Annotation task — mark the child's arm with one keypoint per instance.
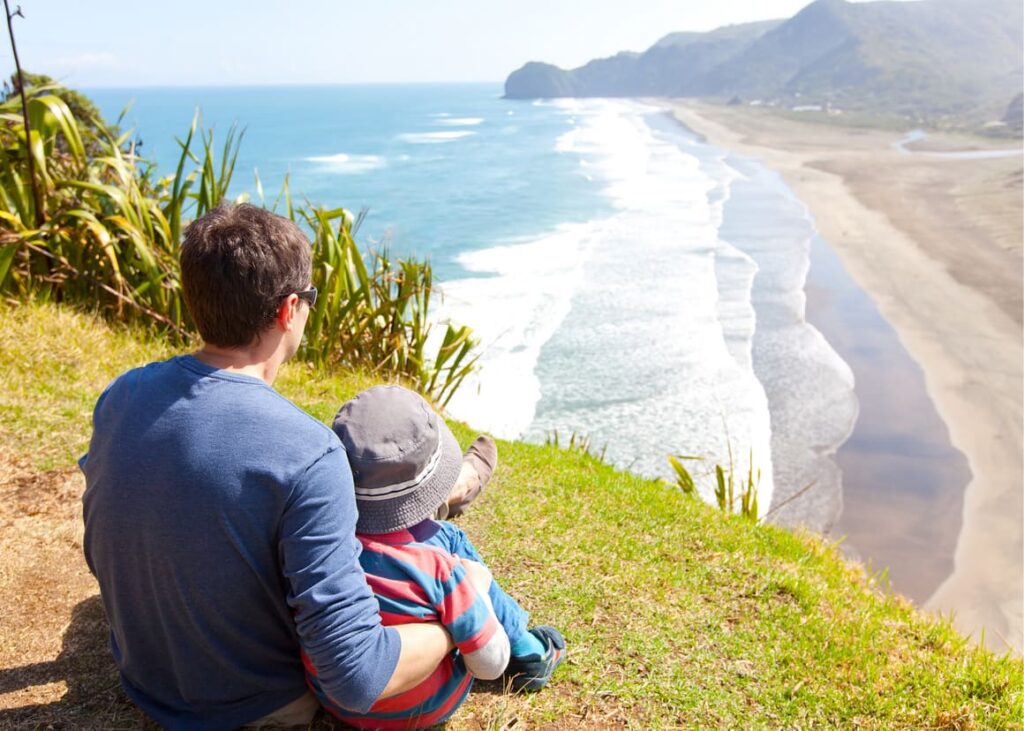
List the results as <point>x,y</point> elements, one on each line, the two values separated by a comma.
<point>467,613</point>
<point>489,661</point>
<point>512,616</point>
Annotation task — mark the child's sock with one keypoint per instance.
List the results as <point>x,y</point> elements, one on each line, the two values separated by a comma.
<point>527,644</point>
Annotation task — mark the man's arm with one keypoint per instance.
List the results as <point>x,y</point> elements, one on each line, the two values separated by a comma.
<point>424,646</point>
<point>356,659</point>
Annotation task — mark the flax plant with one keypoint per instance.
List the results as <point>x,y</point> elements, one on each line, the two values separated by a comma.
<point>111,231</point>
<point>376,316</point>
<point>577,443</point>
<point>732,494</point>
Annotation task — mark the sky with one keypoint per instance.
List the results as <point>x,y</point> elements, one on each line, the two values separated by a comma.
<point>228,42</point>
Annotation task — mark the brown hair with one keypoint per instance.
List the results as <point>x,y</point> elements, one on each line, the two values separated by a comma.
<point>237,263</point>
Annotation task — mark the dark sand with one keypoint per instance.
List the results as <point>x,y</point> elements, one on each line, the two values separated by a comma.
<point>903,480</point>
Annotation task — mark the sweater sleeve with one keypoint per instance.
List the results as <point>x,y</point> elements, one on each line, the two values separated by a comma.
<point>469,617</point>
<point>336,615</point>
<point>490,661</point>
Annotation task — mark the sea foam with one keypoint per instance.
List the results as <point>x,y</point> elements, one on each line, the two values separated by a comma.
<point>428,138</point>
<point>655,355</point>
<point>349,164</point>
<point>514,309</point>
<point>460,121</point>
<point>810,388</point>
<point>619,329</point>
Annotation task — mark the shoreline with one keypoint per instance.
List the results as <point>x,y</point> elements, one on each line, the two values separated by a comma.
<point>959,330</point>
<point>764,220</point>
<point>606,283</point>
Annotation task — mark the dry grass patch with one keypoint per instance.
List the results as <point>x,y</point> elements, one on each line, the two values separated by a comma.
<point>55,664</point>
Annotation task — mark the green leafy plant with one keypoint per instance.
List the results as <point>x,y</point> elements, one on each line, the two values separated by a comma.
<point>742,497</point>
<point>376,316</point>
<point>684,480</point>
<point>101,229</point>
<point>577,443</point>
<point>731,495</point>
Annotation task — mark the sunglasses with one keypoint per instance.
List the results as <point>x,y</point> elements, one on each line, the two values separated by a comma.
<point>309,295</point>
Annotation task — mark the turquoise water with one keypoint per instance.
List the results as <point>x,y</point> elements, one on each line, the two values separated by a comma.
<point>578,241</point>
<point>442,168</point>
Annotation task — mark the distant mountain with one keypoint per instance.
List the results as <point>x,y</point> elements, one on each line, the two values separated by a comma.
<point>663,70</point>
<point>925,59</point>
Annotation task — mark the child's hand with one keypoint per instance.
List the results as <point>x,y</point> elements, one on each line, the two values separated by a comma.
<point>479,575</point>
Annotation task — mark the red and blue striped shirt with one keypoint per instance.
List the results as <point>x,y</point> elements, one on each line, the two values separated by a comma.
<point>416,579</point>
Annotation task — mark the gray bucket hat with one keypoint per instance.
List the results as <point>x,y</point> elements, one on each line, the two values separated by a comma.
<point>404,458</point>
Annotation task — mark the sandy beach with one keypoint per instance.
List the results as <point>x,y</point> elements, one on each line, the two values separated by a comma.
<point>937,244</point>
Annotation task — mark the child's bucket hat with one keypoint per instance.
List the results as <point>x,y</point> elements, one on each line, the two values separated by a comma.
<point>405,460</point>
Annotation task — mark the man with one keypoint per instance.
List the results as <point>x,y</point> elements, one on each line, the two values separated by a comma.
<point>220,518</point>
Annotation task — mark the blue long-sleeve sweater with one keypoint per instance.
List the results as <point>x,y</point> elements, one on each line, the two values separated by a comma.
<point>220,524</point>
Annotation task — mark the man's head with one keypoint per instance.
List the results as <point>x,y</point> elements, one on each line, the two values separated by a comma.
<point>239,263</point>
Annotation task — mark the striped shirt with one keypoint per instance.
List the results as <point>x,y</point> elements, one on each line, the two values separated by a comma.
<point>417,579</point>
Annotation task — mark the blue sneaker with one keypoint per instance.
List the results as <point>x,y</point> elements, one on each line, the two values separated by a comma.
<point>530,673</point>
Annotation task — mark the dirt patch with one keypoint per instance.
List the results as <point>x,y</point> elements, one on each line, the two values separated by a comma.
<point>78,688</point>
<point>25,493</point>
<point>56,670</point>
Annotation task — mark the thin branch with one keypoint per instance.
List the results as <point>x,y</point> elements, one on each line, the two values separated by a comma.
<point>127,300</point>
<point>791,498</point>
<point>37,194</point>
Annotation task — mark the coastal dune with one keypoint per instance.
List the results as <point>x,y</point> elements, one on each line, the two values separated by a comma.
<point>936,241</point>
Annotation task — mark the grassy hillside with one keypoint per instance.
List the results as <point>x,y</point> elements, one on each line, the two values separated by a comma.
<point>676,616</point>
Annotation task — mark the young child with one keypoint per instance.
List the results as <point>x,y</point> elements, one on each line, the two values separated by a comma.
<point>405,462</point>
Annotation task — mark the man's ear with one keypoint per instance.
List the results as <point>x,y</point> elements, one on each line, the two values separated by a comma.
<point>286,312</point>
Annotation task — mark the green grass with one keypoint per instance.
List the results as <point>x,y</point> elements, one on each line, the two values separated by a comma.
<point>676,615</point>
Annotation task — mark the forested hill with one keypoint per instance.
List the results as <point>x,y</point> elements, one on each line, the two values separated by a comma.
<point>924,59</point>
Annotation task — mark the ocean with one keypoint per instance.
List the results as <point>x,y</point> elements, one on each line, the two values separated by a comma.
<point>629,283</point>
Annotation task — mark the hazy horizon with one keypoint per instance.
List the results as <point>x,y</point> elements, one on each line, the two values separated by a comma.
<point>391,42</point>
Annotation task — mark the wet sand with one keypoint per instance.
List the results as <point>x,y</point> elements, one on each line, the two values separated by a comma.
<point>902,479</point>
<point>937,244</point>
